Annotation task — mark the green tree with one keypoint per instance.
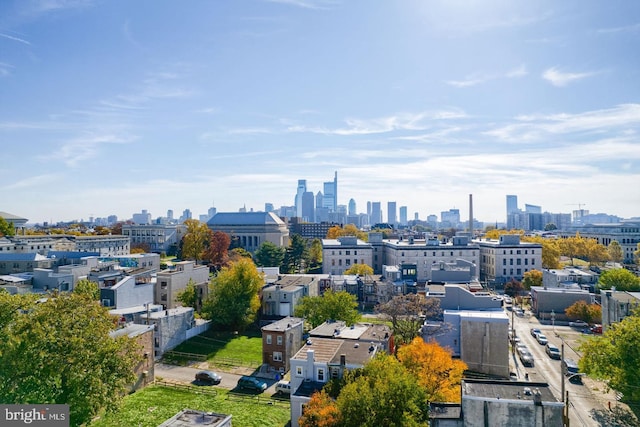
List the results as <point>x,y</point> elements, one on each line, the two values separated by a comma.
<point>233,300</point>
<point>615,251</point>
<point>383,393</point>
<point>195,240</point>
<point>60,351</point>
<point>6,228</point>
<point>330,306</point>
<point>620,278</point>
<point>269,255</point>
<point>550,227</point>
<point>88,288</point>
<point>614,357</point>
<point>360,270</point>
<point>295,254</point>
<point>188,297</point>
<point>315,256</point>
<point>532,278</point>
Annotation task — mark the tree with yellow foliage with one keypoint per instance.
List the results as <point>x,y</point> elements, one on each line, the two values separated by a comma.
<point>360,270</point>
<point>348,230</point>
<point>435,369</point>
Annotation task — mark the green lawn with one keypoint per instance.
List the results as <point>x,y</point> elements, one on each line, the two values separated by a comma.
<point>155,404</point>
<point>245,348</point>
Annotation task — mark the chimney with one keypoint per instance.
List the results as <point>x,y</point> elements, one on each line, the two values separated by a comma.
<point>471,214</point>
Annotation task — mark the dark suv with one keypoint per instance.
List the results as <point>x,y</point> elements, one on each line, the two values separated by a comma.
<point>252,383</point>
<point>208,377</point>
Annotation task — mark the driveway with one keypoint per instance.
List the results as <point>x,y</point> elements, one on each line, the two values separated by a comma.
<point>187,374</point>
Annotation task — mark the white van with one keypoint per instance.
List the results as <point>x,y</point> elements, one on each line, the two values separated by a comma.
<point>283,387</point>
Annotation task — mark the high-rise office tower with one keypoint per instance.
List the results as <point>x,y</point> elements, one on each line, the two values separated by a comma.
<point>352,207</point>
<point>376,213</point>
<point>330,199</point>
<point>302,188</point>
<point>512,204</point>
<point>308,206</point>
<point>391,213</point>
<point>403,215</point>
<point>268,207</point>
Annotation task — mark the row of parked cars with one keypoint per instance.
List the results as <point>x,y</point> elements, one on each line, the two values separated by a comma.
<point>244,383</point>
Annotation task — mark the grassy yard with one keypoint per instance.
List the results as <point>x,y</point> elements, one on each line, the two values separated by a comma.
<point>154,404</point>
<point>245,348</point>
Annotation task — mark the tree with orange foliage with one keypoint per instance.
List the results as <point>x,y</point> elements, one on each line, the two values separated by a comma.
<point>435,369</point>
<point>320,411</point>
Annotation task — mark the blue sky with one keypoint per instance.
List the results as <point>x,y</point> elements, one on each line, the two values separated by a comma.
<point>111,107</point>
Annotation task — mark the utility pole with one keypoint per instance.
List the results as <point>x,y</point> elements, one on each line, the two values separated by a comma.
<point>563,393</point>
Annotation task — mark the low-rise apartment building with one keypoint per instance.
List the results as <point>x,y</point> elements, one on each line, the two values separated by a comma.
<point>507,258</point>
<point>281,340</point>
<point>171,281</point>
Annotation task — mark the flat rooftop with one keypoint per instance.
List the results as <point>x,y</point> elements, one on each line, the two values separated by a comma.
<point>189,417</point>
<point>516,390</point>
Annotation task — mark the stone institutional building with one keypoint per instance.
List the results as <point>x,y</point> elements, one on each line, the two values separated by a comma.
<point>251,228</point>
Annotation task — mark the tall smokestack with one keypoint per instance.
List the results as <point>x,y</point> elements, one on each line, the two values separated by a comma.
<point>471,214</point>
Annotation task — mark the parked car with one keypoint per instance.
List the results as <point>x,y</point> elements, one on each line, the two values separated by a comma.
<point>252,383</point>
<point>542,339</point>
<point>534,332</point>
<point>283,387</point>
<point>596,329</point>
<point>526,358</point>
<point>578,324</point>
<point>570,369</point>
<point>507,300</point>
<point>208,377</point>
<point>552,351</point>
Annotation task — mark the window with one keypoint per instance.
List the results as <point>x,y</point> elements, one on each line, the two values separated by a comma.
<point>504,261</point>
<point>279,340</point>
<point>355,252</point>
<point>268,339</point>
<point>299,371</point>
<point>347,262</point>
<point>320,375</point>
<point>518,261</point>
<point>519,272</point>
<point>277,356</point>
<point>347,252</point>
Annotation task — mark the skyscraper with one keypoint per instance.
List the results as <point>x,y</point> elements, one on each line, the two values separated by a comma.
<point>330,199</point>
<point>352,207</point>
<point>308,206</point>
<point>403,215</point>
<point>392,213</point>
<point>302,188</point>
<point>512,204</point>
<point>376,213</point>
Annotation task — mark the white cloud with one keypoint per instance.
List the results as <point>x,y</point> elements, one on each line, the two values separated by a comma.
<point>14,38</point>
<point>468,82</point>
<point>520,71</point>
<point>307,4</point>
<point>535,126</point>
<point>561,79</point>
<point>627,29</point>
<point>400,121</point>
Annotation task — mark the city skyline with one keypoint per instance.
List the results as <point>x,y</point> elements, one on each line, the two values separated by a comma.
<point>109,109</point>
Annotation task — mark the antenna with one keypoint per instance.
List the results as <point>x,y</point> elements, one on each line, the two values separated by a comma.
<point>579,205</point>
